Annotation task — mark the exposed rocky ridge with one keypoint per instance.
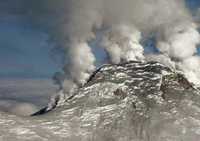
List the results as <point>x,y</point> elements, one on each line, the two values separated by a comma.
<point>134,101</point>
<point>142,72</point>
<point>109,72</point>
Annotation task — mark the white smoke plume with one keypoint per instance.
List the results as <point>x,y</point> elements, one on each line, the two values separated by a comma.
<point>180,42</point>
<point>82,62</point>
<point>190,67</point>
<point>73,24</point>
<point>123,44</point>
<point>124,24</point>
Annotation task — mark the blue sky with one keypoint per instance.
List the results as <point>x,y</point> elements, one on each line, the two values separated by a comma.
<point>193,4</point>
<point>25,52</point>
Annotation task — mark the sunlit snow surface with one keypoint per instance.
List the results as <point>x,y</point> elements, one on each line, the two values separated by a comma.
<point>128,102</point>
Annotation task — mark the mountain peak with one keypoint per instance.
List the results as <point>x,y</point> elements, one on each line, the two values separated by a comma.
<point>134,101</point>
<point>138,78</point>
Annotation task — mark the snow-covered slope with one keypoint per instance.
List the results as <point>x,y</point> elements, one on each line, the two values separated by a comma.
<point>135,101</point>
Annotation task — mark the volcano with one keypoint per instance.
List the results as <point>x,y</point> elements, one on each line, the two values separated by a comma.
<point>133,101</point>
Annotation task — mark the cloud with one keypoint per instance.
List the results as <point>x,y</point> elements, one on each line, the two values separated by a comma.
<point>17,107</point>
<point>73,24</point>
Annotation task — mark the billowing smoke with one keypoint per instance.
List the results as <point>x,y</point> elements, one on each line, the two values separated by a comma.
<point>190,66</point>
<point>179,42</point>
<point>123,24</point>
<point>123,44</point>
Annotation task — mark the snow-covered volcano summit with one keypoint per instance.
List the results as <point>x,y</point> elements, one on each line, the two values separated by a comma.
<point>134,101</point>
<point>132,78</point>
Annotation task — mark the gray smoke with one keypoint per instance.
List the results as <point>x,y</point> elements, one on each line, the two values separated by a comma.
<point>73,24</point>
<point>122,24</point>
<point>179,42</point>
<point>123,44</point>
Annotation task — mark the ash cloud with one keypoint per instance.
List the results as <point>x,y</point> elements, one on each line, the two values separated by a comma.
<point>123,24</point>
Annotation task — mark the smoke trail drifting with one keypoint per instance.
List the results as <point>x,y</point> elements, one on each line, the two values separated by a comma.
<point>179,42</point>
<point>73,24</point>
<point>190,66</point>
<point>123,24</point>
<point>123,44</point>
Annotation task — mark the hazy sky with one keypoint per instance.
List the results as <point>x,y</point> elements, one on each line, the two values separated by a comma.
<point>24,50</point>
